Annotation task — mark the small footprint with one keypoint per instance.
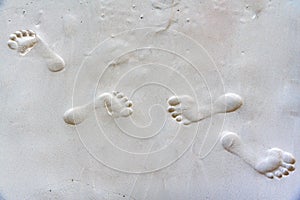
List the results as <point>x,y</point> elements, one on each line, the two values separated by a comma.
<point>185,110</point>
<point>271,163</point>
<point>24,40</point>
<point>116,105</point>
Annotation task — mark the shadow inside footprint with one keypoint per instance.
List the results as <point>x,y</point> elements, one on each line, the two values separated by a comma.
<point>22,41</point>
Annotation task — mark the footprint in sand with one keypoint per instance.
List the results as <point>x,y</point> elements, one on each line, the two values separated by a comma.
<point>184,109</point>
<point>24,40</point>
<point>116,104</point>
<point>272,163</point>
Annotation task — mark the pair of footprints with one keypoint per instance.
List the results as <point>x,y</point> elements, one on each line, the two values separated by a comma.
<point>272,163</point>
<point>183,109</point>
<point>24,41</point>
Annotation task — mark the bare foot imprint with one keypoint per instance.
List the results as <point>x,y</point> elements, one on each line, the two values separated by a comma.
<point>185,110</point>
<point>271,163</point>
<point>116,105</point>
<point>24,40</point>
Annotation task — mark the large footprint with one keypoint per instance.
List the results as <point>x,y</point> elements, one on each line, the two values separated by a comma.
<point>24,40</point>
<point>271,163</point>
<point>185,110</point>
<point>116,105</point>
